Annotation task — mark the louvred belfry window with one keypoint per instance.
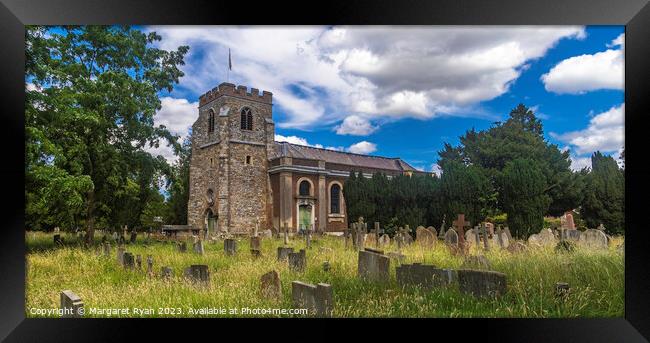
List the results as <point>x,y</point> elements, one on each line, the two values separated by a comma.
<point>246,119</point>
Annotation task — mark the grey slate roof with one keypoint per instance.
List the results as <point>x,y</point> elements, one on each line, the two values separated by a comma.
<point>285,149</point>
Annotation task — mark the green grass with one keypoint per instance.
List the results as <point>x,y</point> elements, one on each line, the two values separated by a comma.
<point>596,279</point>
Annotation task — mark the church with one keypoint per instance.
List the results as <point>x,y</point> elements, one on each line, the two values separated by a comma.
<point>241,178</point>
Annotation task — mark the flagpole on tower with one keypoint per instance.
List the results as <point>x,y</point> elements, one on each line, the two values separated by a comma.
<point>229,67</point>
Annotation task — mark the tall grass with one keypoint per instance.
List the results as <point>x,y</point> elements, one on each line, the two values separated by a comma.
<point>596,278</point>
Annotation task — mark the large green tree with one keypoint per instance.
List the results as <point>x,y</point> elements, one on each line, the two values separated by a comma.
<point>179,185</point>
<point>605,194</point>
<point>92,93</point>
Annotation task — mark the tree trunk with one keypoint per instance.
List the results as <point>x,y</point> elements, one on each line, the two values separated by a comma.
<point>90,221</point>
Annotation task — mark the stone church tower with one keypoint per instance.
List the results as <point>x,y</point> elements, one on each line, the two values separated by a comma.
<point>232,140</point>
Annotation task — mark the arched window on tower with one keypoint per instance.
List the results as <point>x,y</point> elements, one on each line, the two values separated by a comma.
<point>304,188</point>
<point>335,199</point>
<point>210,121</point>
<point>246,119</point>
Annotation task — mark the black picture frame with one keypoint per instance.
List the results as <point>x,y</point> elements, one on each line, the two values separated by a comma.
<point>634,14</point>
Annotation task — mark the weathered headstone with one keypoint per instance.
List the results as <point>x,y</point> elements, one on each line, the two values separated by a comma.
<point>594,238</point>
<point>230,246</point>
<point>490,228</point>
<point>476,262</point>
<point>270,285</point>
<point>286,234</point>
<point>433,231</point>
<point>120,255</point>
<point>326,266</point>
<point>298,261</point>
<point>128,260</point>
<point>283,253</point>
<point>71,305</point>
<point>198,247</point>
<point>149,264</point>
<point>486,237</point>
<point>166,272</point>
<point>317,299</point>
<point>481,283</point>
<point>443,227</point>
<point>376,234</point>
<point>58,240</point>
<point>424,276</point>
<point>107,249</point>
<point>451,238</point>
<point>134,236</point>
<point>371,239</point>
<point>572,235</point>
<point>138,261</point>
<point>425,237</point>
<point>198,273</point>
<point>460,223</point>
<point>255,243</point>
<point>562,289</point>
<point>256,253</point>
<point>567,221</point>
<point>182,246</point>
<point>373,266</point>
<point>507,231</point>
<point>384,240</point>
<point>517,247</point>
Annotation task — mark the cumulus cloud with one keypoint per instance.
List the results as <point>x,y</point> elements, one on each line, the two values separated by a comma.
<point>605,133</point>
<point>355,125</point>
<point>363,147</point>
<point>177,115</point>
<point>577,163</point>
<point>580,74</point>
<point>324,76</point>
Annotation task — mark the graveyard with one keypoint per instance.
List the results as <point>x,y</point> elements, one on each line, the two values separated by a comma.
<point>418,274</point>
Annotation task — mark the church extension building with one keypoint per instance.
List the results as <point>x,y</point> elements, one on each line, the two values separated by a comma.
<point>241,177</point>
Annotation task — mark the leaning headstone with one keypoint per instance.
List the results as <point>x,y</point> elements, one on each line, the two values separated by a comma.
<point>255,243</point>
<point>283,253</point>
<point>230,246</point>
<point>198,273</point>
<point>198,247</point>
<point>128,260</point>
<point>71,305</point>
<point>166,272</point>
<point>481,283</point>
<point>317,299</point>
<point>270,285</point>
<point>424,276</point>
<point>298,261</point>
<point>594,239</point>
<point>120,255</point>
<point>373,266</point>
<point>425,237</point>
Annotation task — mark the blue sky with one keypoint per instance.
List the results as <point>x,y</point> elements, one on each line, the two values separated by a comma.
<point>404,91</point>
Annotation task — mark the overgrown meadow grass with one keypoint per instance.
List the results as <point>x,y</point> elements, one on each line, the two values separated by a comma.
<point>596,278</point>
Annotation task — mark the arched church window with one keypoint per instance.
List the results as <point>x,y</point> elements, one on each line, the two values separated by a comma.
<point>210,121</point>
<point>335,199</point>
<point>246,119</point>
<point>304,189</point>
<point>210,197</point>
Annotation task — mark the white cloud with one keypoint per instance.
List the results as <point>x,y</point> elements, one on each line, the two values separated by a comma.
<point>355,125</point>
<point>294,140</point>
<point>319,75</point>
<point>605,133</point>
<point>363,147</point>
<point>618,41</point>
<point>435,168</point>
<point>577,163</point>
<point>177,115</point>
<point>580,74</point>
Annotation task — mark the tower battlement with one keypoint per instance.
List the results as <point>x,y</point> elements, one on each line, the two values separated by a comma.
<point>240,91</point>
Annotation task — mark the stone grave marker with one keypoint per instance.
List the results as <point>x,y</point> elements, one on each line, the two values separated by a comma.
<point>286,234</point>
<point>134,236</point>
<point>182,246</point>
<point>198,273</point>
<point>406,234</point>
<point>120,255</point>
<point>138,261</point>
<point>298,261</point>
<point>594,239</point>
<point>451,238</point>
<point>326,266</point>
<point>317,299</point>
<point>166,272</point>
<point>371,239</point>
<point>378,231</point>
<point>198,247</point>
<point>283,253</point>
<point>384,240</point>
<point>255,243</point>
<point>270,285</point>
<point>572,235</point>
<point>433,231</point>
<point>57,239</point>
<point>425,237</point>
<point>128,260</point>
<point>481,283</point>
<point>149,264</point>
<point>256,253</point>
<point>443,227</point>
<point>71,304</point>
<point>373,266</point>
<point>476,262</point>
<point>507,231</point>
<point>107,249</point>
<point>562,289</point>
<point>230,246</point>
<point>471,238</point>
<point>424,276</point>
<point>486,237</point>
<point>460,223</point>
<point>517,247</point>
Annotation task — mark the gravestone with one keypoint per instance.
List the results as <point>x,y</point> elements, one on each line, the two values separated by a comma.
<point>371,239</point>
<point>107,249</point>
<point>441,234</point>
<point>451,238</point>
<point>230,246</point>
<point>149,264</point>
<point>562,289</point>
<point>298,261</point>
<point>268,233</point>
<point>128,260</point>
<point>138,261</point>
<point>270,285</point>
<point>308,239</point>
<point>594,239</point>
<point>373,266</point>
<point>58,240</point>
<point>601,227</point>
<point>481,283</point>
<point>198,247</point>
<point>255,243</point>
<point>476,262</point>
<point>256,253</point>
<point>378,231</point>
<point>517,247</point>
<point>286,234</point>
<point>471,238</point>
<point>460,223</point>
<point>567,221</point>
<point>406,234</point>
<point>120,255</point>
<point>433,231</point>
<point>326,266</point>
<point>198,273</point>
<point>507,231</point>
<point>486,236</point>
<point>182,246</point>
<point>490,228</point>
<point>317,299</point>
<point>283,253</point>
<point>425,237</point>
<point>71,305</point>
<point>572,235</point>
<point>424,276</point>
<point>166,272</point>
<point>384,240</point>
<point>134,236</point>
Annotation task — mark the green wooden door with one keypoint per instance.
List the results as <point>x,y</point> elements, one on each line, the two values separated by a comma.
<point>304,217</point>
